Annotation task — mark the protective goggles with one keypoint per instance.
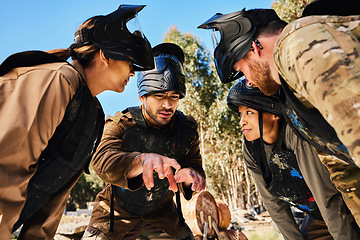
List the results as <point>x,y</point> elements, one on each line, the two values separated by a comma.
<point>163,61</point>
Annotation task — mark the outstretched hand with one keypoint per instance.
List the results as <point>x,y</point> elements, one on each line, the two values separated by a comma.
<point>162,165</point>
<point>190,177</point>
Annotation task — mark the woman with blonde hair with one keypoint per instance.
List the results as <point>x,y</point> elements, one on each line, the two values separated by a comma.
<point>51,121</point>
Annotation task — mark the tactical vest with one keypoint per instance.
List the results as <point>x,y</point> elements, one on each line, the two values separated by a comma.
<point>310,125</point>
<point>287,183</point>
<point>173,143</point>
<point>70,148</point>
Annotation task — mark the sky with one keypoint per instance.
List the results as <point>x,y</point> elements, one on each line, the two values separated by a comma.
<point>47,24</point>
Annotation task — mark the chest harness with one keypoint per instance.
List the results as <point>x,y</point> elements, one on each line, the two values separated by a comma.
<point>175,143</point>
<point>70,148</point>
<point>286,181</point>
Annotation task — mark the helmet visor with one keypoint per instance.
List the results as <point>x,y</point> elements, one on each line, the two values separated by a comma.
<point>164,60</point>
<point>215,36</point>
<point>134,26</point>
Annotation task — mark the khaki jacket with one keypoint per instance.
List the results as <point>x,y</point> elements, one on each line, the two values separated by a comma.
<point>32,104</point>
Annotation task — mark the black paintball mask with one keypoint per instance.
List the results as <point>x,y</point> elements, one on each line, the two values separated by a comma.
<point>252,97</point>
<point>232,36</point>
<point>168,74</point>
<point>120,37</point>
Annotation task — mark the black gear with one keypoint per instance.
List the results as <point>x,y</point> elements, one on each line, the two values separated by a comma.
<point>112,36</point>
<point>168,74</point>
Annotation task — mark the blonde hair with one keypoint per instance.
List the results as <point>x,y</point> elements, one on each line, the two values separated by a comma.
<point>84,54</point>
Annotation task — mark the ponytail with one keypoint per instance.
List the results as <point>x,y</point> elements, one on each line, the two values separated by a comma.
<point>83,53</point>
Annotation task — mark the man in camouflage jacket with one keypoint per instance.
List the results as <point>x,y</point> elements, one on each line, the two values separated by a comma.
<point>317,58</point>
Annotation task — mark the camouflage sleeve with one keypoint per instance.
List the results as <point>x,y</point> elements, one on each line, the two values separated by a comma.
<point>319,59</point>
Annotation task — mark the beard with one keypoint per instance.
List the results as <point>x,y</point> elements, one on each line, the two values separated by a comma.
<point>261,78</point>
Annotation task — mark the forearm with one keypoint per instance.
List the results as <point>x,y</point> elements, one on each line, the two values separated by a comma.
<point>279,211</point>
<point>136,167</point>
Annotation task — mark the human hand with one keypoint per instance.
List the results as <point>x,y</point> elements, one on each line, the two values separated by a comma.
<point>162,165</point>
<point>191,178</point>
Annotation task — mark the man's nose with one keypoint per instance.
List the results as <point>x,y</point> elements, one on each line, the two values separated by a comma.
<point>166,103</point>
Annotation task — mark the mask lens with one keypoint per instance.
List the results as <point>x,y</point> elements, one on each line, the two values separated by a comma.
<point>162,61</point>
<point>216,37</point>
<point>134,26</point>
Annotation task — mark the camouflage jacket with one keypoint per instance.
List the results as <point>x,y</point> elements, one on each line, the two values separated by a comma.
<point>318,56</point>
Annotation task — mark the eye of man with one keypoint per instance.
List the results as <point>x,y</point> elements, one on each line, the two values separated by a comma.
<point>159,95</point>
<point>175,97</point>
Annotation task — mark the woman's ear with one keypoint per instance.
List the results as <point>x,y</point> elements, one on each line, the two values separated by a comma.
<point>103,58</point>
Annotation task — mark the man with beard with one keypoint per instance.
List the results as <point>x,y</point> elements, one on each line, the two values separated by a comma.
<point>139,151</point>
<point>315,61</point>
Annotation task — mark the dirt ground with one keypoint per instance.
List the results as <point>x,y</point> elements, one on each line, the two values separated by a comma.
<point>254,228</point>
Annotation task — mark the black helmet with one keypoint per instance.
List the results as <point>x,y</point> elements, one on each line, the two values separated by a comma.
<point>168,74</point>
<point>236,35</point>
<point>252,97</point>
<point>112,36</point>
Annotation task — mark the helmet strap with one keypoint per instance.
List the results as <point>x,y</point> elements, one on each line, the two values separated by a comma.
<point>263,162</point>
<point>82,37</point>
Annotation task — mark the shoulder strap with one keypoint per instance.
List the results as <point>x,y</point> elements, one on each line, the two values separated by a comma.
<point>27,59</point>
<point>280,143</point>
<point>256,151</point>
<point>137,116</point>
<point>180,118</point>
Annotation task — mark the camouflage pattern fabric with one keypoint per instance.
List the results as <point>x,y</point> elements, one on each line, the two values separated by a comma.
<point>318,56</point>
<point>346,179</point>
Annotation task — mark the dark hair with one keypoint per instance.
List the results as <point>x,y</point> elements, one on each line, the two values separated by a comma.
<point>271,29</point>
<point>84,54</point>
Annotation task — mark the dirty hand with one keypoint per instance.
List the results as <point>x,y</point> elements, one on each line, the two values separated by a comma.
<point>162,165</point>
<point>191,178</point>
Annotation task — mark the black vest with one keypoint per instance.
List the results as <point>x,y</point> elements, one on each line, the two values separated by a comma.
<point>174,143</point>
<point>70,149</point>
<point>310,125</point>
<point>287,182</point>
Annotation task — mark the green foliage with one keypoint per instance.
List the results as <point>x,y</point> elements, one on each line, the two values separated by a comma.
<point>289,10</point>
<point>85,190</point>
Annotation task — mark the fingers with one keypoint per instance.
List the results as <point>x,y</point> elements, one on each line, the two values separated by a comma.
<point>191,178</point>
<point>170,176</point>
<point>162,165</point>
<point>148,174</point>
